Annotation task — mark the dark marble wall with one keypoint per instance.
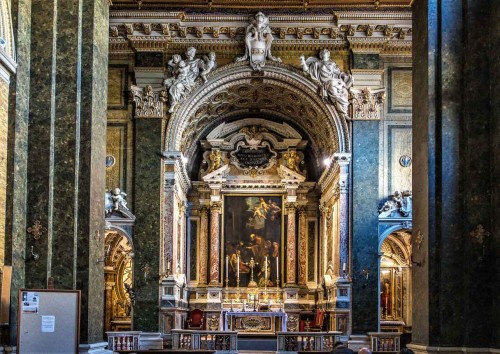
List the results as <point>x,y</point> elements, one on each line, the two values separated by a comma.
<point>454,297</point>
<point>494,71</point>
<point>147,206</point>
<point>17,151</point>
<point>365,61</point>
<point>57,149</point>
<point>365,165</point>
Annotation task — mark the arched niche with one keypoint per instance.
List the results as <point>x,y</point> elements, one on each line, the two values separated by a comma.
<point>118,272</point>
<point>395,281</point>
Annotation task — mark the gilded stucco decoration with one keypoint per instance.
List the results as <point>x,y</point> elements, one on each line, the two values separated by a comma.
<point>334,85</point>
<point>258,40</point>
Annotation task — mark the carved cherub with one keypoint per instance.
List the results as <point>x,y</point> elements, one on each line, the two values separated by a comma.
<point>207,65</point>
<point>292,160</point>
<point>118,198</point>
<point>215,160</point>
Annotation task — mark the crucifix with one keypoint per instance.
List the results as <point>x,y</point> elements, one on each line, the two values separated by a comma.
<point>251,265</point>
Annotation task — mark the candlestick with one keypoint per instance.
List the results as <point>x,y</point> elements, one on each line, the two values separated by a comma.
<point>265,270</point>
<point>227,266</point>
<point>277,272</point>
<point>238,267</point>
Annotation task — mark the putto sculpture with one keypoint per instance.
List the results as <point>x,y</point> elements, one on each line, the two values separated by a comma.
<point>334,84</point>
<point>183,73</point>
<point>258,40</point>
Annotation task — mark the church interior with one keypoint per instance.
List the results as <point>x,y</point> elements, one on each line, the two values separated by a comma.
<point>222,176</point>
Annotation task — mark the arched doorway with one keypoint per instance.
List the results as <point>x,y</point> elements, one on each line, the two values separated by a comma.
<point>395,282</point>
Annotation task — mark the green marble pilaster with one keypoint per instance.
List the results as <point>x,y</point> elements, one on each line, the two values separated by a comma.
<point>65,149</point>
<point>147,230</point>
<point>17,152</point>
<point>365,165</point>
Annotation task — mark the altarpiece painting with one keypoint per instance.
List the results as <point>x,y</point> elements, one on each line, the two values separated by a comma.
<point>252,239</point>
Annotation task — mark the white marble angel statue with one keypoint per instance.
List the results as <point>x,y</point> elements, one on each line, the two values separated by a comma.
<point>183,73</point>
<point>334,84</point>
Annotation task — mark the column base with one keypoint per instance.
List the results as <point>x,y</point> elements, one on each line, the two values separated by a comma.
<point>424,349</point>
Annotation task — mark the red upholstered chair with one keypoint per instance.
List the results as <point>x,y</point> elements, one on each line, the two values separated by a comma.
<point>317,323</point>
<point>195,320</point>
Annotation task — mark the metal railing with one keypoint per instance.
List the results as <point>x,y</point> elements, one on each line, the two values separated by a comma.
<point>307,341</point>
<point>220,341</point>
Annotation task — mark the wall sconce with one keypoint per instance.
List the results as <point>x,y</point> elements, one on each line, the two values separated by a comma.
<point>34,255</point>
<point>365,273</point>
<point>146,270</point>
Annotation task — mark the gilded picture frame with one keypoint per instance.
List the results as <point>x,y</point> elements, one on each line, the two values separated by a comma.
<point>253,230</point>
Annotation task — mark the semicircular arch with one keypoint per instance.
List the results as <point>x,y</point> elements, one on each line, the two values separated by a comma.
<point>280,93</point>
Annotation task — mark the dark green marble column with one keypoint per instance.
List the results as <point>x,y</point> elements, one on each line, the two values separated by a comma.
<point>455,194</point>
<point>147,230</point>
<point>58,174</point>
<point>365,165</point>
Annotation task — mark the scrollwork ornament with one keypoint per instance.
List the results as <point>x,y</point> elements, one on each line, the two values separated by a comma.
<point>479,234</point>
<point>36,230</point>
<point>258,40</point>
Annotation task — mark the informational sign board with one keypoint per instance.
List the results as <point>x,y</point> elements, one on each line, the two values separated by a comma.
<point>48,321</point>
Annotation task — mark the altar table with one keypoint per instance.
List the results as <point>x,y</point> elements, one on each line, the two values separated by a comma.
<point>255,321</point>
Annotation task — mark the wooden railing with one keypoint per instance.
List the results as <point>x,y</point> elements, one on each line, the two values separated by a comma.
<point>220,341</point>
<point>307,341</point>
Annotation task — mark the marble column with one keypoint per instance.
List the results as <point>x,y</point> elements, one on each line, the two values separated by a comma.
<point>215,211</point>
<point>203,247</point>
<point>291,247</point>
<point>455,176</point>
<point>60,153</point>
<point>303,256</point>
<point>343,159</point>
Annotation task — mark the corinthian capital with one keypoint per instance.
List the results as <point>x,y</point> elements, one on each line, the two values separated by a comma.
<point>148,102</point>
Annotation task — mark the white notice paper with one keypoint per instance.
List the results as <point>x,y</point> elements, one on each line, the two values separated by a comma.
<point>48,323</point>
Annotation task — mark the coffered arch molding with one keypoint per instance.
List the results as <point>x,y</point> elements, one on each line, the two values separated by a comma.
<point>279,91</point>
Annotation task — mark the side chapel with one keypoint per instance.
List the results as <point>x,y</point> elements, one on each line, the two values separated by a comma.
<point>251,165</point>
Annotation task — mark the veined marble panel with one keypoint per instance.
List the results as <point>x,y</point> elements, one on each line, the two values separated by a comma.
<point>117,81</point>
<point>400,96</point>
<point>116,143</point>
<point>399,151</point>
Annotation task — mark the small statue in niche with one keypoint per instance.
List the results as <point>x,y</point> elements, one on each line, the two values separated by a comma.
<point>118,199</point>
<point>334,84</point>
<point>182,74</point>
<point>292,160</point>
<point>258,40</point>
<point>215,160</point>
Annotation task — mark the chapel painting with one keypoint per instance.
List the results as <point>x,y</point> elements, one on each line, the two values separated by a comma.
<point>252,239</point>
